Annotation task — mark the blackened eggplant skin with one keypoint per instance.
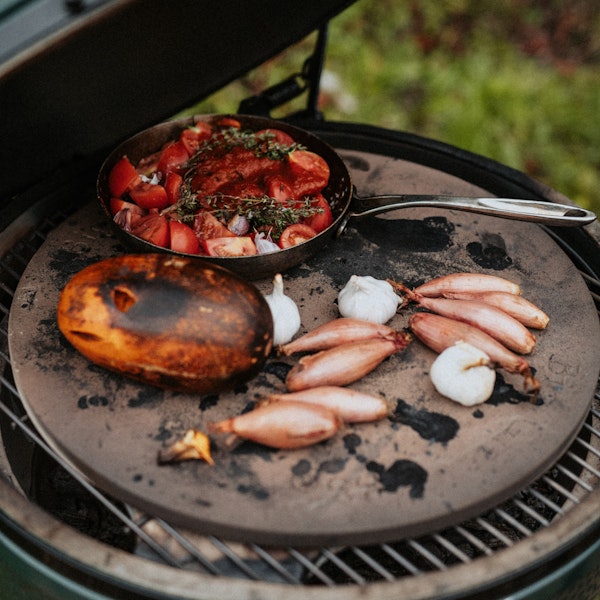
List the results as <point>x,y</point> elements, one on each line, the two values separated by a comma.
<point>173,322</point>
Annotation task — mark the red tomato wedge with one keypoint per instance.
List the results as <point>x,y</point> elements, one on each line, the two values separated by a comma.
<point>122,177</point>
<point>281,137</point>
<point>323,219</point>
<point>173,184</point>
<point>309,170</point>
<point>229,246</point>
<point>153,228</point>
<point>148,195</point>
<point>296,234</point>
<point>193,136</point>
<point>207,226</point>
<point>172,157</point>
<point>183,239</point>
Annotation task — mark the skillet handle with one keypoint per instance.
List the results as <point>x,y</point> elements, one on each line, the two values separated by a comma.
<point>546,213</point>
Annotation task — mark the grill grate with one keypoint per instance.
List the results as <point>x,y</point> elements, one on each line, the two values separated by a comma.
<point>538,506</point>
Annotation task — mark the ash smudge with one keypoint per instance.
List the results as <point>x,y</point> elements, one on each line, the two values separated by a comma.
<point>432,426</point>
<point>94,401</point>
<point>505,393</point>
<point>490,253</point>
<point>402,473</point>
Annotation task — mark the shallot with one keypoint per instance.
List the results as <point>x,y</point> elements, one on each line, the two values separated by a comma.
<point>460,282</point>
<point>335,333</point>
<point>513,334</point>
<point>462,373</point>
<point>350,405</point>
<point>283,425</point>
<point>368,299</point>
<point>344,364</point>
<point>286,317</point>
<point>438,333</point>
<point>518,307</point>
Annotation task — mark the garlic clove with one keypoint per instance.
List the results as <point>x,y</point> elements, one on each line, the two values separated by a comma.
<point>462,373</point>
<point>286,317</point>
<point>368,299</point>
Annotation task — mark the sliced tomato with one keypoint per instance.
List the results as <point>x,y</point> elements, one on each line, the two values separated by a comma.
<point>296,234</point>
<point>118,204</point>
<point>230,246</point>
<point>310,172</point>
<point>153,228</point>
<point>172,157</point>
<point>322,219</point>
<point>173,184</point>
<point>193,136</point>
<point>122,177</point>
<point>149,195</point>
<point>280,137</point>
<point>207,226</point>
<point>183,239</point>
<point>229,122</point>
<point>278,188</point>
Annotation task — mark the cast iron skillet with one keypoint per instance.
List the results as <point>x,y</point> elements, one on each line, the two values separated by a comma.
<point>344,202</point>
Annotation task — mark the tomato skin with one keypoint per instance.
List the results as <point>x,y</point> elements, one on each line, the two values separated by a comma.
<point>191,137</point>
<point>122,177</point>
<point>323,219</point>
<point>153,228</point>
<point>278,188</point>
<point>172,157</point>
<point>310,172</point>
<point>173,184</point>
<point>182,238</point>
<point>230,246</point>
<point>207,226</point>
<point>148,195</point>
<point>279,137</point>
<point>296,234</point>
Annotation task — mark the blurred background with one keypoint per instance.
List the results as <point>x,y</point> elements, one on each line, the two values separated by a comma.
<point>517,81</point>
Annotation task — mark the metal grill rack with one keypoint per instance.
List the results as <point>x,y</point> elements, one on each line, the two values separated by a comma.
<point>539,506</point>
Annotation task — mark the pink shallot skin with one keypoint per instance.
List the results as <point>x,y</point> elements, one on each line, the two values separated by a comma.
<point>439,333</point>
<point>466,282</point>
<point>335,333</point>
<point>501,326</point>
<point>343,364</point>
<point>518,307</point>
<point>282,425</point>
<point>350,405</point>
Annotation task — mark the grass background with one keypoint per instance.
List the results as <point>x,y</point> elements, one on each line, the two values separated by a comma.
<point>516,81</point>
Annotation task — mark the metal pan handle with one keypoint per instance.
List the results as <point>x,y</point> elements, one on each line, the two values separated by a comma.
<point>546,213</point>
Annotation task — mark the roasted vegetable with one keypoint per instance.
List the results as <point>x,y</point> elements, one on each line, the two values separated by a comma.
<point>173,322</point>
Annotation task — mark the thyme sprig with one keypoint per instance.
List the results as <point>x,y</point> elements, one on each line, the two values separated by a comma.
<point>262,145</point>
<point>261,211</point>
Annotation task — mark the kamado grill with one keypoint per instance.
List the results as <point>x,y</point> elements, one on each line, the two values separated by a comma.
<point>438,501</point>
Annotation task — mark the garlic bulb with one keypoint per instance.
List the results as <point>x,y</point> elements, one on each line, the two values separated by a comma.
<point>286,317</point>
<point>368,299</point>
<point>462,373</point>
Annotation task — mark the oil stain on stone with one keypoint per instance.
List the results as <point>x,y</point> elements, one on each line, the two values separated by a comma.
<point>490,253</point>
<point>402,473</point>
<point>431,426</point>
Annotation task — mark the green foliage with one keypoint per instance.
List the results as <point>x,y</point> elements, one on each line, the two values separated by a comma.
<point>516,81</point>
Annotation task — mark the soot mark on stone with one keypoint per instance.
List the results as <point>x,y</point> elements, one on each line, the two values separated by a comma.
<point>146,398</point>
<point>431,426</point>
<point>208,402</point>
<point>351,442</point>
<point>94,401</point>
<point>254,490</point>
<point>505,393</point>
<point>490,253</point>
<point>402,473</point>
<point>302,467</point>
<point>478,414</point>
<point>278,369</point>
<point>431,234</point>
